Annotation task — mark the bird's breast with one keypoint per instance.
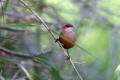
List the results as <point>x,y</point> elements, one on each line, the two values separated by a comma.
<point>69,33</point>
<point>68,37</point>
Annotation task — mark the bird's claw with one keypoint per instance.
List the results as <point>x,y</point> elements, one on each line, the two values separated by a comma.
<point>68,57</point>
<point>56,40</point>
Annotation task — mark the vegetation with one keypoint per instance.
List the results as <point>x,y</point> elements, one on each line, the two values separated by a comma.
<point>28,50</point>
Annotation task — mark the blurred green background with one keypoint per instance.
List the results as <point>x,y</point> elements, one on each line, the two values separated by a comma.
<point>97,27</point>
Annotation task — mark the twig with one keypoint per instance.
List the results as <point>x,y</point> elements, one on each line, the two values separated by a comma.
<point>80,77</point>
<point>1,4</point>
<point>85,14</point>
<point>38,17</point>
<point>41,20</point>
<point>25,71</point>
<point>26,55</point>
<point>12,29</point>
<point>109,12</point>
<point>79,62</point>
<point>87,9</point>
<point>23,16</point>
<point>16,74</point>
<point>93,18</point>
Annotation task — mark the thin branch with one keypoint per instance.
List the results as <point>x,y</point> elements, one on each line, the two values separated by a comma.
<point>25,71</point>
<point>84,15</point>
<point>23,16</point>
<point>79,62</point>
<point>80,77</point>
<point>93,18</point>
<point>1,4</point>
<point>12,29</point>
<point>16,74</point>
<point>28,18</point>
<point>110,12</point>
<point>38,17</point>
<point>26,55</point>
<point>46,26</point>
<point>87,9</point>
<point>103,19</point>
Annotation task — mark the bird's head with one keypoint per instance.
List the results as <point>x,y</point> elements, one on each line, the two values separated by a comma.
<point>66,26</point>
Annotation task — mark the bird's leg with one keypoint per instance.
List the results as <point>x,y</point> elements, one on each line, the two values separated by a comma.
<point>68,56</point>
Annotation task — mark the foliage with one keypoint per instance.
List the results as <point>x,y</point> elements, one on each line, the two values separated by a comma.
<point>97,28</point>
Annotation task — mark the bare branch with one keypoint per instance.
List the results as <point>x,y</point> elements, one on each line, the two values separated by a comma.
<point>26,55</point>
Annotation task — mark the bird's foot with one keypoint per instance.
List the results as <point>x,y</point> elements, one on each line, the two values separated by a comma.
<point>68,57</point>
<point>57,40</point>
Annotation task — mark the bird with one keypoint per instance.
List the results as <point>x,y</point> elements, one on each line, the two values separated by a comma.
<point>67,37</point>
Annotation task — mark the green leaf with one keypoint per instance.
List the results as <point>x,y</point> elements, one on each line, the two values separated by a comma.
<point>41,60</point>
<point>37,77</point>
<point>25,71</point>
<point>15,62</point>
<point>7,60</point>
<point>5,6</point>
<point>117,73</point>
<point>55,74</point>
<point>53,71</point>
<point>18,25</point>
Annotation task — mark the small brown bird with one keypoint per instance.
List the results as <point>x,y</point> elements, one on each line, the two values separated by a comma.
<point>68,36</point>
